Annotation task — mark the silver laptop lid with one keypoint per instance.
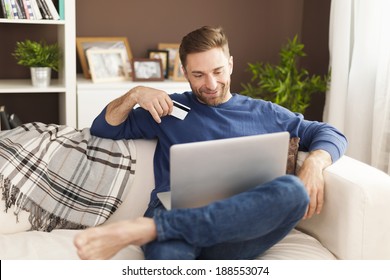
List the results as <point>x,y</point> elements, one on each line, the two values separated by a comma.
<point>203,172</point>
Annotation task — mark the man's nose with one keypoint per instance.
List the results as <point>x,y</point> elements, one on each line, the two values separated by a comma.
<point>211,82</point>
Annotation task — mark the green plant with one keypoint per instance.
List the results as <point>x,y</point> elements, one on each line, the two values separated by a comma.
<point>37,54</point>
<point>285,84</point>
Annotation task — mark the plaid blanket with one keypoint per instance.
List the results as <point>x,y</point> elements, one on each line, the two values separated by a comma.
<point>65,178</point>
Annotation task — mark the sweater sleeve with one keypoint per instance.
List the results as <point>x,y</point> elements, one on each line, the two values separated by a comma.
<point>322,136</point>
<point>313,135</point>
<point>139,124</point>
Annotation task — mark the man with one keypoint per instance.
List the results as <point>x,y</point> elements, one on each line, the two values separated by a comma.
<point>240,227</point>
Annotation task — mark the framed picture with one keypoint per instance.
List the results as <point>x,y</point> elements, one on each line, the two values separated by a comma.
<point>147,69</point>
<point>107,65</point>
<point>173,50</point>
<point>178,74</point>
<point>86,43</point>
<point>164,56</point>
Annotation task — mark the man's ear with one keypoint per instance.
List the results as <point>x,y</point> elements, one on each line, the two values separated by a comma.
<point>231,64</point>
<point>184,71</point>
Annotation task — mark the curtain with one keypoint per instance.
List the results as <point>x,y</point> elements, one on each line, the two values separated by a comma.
<point>358,99</point>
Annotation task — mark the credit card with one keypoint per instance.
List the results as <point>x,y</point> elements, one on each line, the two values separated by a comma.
<point>179,111</point>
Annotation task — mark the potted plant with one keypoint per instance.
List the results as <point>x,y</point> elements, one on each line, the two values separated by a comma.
<point>285,84</point>
<point>40,57</point>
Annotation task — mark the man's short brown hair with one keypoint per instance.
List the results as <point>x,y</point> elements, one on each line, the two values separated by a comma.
<point>201,40</point>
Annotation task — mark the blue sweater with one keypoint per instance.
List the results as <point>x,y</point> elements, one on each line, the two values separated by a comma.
<point>240,116</point>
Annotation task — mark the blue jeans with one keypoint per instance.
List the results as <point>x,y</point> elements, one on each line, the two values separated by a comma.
<point>240,227</point>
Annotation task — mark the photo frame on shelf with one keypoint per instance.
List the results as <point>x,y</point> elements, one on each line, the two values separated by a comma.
<point>83,44</point>
<point>178,74</point>
<point>173,49</point>
<point>147,69</point>
<point>107,65</point>
<point>164,56</point>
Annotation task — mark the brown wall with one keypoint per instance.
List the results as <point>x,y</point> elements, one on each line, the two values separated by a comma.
<point>256,30</point>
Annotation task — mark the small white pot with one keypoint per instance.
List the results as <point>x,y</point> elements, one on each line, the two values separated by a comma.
<point>40,76</point>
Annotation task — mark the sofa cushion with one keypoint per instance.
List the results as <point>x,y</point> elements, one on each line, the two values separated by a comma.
<point>298,246</point>
<point>9,223</point>
<point>292,155</point>
<point>58,245</point>
<point>54,245</point>
<point>137,197</point>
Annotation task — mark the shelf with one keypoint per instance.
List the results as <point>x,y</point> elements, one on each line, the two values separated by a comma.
<point>25,86</point>
<point>33,21</point>
<point>87,84</point>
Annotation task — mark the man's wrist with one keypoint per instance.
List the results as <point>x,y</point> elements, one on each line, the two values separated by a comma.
<point>119,109</point>
<point>320,158</point>
<point>130,99</point>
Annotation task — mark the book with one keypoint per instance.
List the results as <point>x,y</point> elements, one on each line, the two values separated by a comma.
<point>28,9</point>
<point>35,8</point>
<point>8,9</point>
<point>14,121</point>
<point>52,9</point>
<point>4,123</point>
<point>14,10</point>
<point>3,12</point>
<point>61,9</point>
<point>20,8</point>
<point>44,9</point>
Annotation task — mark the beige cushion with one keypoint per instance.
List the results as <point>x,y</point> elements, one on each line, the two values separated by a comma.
<point>298,246</point>
<point>58,245</point>
<point>9,223</point>
<point>292,155</point>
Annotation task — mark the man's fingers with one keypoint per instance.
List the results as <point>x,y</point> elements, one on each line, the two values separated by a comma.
<point>156,102</point>
<point>312,206</point>
<point>155,114</point>
<point>320,201</point>
<point>315,205</point>
<point>160,108</point>
<point>165,106</point>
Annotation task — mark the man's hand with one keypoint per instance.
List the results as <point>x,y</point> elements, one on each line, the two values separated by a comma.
<point>311,174</point>
<point>156,102</point>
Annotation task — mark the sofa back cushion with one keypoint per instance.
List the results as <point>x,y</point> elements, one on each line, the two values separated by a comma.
<point>137,197</point>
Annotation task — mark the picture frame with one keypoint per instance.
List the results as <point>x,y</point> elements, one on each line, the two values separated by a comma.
<point>85,43</point>
<point>178,74</point>
<point>107,65</point>
<point>147,69</point>
<point>173,49</point>
<point>164,56</point>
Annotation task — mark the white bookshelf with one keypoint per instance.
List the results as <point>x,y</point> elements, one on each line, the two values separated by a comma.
<point>65,85</point>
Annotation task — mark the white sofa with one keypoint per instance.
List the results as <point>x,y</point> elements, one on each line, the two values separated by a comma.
<point>353,225</point>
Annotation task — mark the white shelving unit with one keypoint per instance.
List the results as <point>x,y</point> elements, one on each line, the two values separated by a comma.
<point>65,85</point>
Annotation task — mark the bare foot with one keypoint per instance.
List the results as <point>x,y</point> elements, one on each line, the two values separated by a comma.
<point>103,242</point>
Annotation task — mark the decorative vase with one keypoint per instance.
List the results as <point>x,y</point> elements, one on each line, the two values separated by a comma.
<point>40,76</point>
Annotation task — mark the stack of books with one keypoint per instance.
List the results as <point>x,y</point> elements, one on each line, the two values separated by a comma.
<point>32,9</point>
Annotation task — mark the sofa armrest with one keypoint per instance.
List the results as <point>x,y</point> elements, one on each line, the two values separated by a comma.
<point>354,222</point>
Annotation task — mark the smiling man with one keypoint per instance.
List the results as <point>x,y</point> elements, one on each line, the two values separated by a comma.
<point>242,226</point>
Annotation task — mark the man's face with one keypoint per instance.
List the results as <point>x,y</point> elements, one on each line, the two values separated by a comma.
<point>209,76</point>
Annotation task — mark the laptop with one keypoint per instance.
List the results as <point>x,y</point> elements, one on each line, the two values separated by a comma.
<point>204,172</point>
